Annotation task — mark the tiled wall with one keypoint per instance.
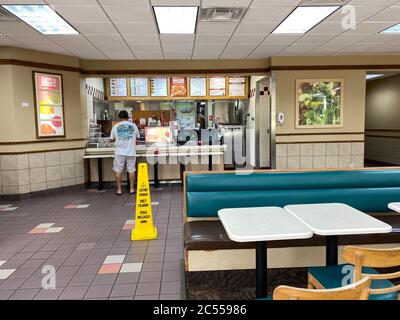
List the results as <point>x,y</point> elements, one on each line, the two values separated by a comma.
<point>31,172</point>
<point>383,149</point>
<point>319,155</point>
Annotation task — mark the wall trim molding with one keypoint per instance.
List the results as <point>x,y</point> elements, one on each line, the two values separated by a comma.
<point>307,142</point>
<point>377,136</point>
<point>173,72</point>
<point>316,134</point>
<point>40,141</point>
<point>26,63</point>
<point>336,67</point>
<point>384,130</point>
<point>38,151</point>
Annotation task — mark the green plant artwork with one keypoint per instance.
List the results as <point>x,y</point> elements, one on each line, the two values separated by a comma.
<point>319,103</point>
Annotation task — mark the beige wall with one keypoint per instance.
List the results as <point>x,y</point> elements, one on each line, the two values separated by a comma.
<point>7,118</point>
<point>354,99</point>
<point>383,120</point>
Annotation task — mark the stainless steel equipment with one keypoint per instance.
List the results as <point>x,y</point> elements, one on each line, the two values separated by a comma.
<point>234,138</point>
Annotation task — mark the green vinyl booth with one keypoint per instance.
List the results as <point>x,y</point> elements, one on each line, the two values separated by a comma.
<point>369,190</point>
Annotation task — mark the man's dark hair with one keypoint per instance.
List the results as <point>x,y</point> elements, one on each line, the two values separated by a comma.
<point>123,115</point>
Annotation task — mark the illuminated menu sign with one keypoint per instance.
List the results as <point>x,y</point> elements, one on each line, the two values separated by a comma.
<point>178,87</point>
<point>217,86</point>
<point>198,87</point>
<point>49,105</point>
<point>237,86</point>
<point>139,87</point>
<point>118,87</point>
<point>158,87</point>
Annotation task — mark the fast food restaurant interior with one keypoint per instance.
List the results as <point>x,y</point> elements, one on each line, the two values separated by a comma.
<point>267,149</point>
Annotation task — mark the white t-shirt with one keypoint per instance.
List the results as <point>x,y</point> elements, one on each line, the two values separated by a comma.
<point>125,134</point>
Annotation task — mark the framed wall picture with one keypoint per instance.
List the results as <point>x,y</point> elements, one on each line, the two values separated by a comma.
<point>49,105</point>
<point>319,103</point>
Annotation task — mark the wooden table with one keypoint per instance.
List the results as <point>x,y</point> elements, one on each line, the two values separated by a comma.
<point>261,225</point>
<point>334,219</point>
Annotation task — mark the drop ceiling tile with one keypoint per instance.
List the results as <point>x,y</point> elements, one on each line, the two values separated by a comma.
<point>72,2</point>
<point>178,55</point>
<point>95,28</point>
<point>209,49</point>
<point>16,27</point>
<point>298,49</point>
<point>205,56</point>
<point>139,49</point>
<point>226,3</point>
<point>237,52</point>
<point>209,39</point>
<point>216,27</point>
<point>315,38</point>
<point>23,2</point>
<point>172,39</point>
<point>106,40</point>
<point>4,41</point>
<point>275,3</point>
<point>371,27</point>
<point>246,39</point>
<point>351,37</point>
<point>255,28</point>
<point>81,13</point>
<point>149,56</point>
<point>383,38</point>
<point>119,55</point>
<point>142,39</point>
<point>178,48</point>
<point>327,27</point>
<point>186,3</point>
<point>361,13</point>
<point>120,14</point>
<point>360,48</point>
<point>268,14</point>
<point>70,39</point>
<point>140,3</point>
<point>32,40</point>
<point>136,27</point>
<point>390,14</point>
<point>260,55</point>
<point>87,53</point>
<point>281,39</point>
<point>372,2</point>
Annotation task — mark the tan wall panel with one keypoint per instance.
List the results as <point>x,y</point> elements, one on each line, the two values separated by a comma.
<point>7,120</point>
<point>354,100</point>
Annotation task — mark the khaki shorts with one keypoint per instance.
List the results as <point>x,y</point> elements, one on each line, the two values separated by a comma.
<point>119,164</point>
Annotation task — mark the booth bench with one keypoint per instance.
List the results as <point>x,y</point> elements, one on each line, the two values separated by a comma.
<point>207,247</point>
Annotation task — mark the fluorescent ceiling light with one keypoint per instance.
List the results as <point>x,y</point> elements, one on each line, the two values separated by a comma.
<point>394,29</point>
<point>303,19</point>
<point>42,18</point>
<point>176,19</point>
<point>373,76</point>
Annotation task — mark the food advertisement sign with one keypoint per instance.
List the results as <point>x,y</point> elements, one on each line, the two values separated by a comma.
<point>160,135</point>
<point>178,87</point>
<point>49,105</point>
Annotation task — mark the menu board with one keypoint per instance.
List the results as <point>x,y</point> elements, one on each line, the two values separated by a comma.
<point>49,105</point>
<point>158,87</point>
<point>178,86</point>
<point>237,86</point>
<point>139,87</point>
<point>118,87</point>
<point>198,87</point>
<point>217,86</point>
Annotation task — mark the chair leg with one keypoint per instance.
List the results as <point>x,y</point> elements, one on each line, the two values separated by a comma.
<point>310,284</point>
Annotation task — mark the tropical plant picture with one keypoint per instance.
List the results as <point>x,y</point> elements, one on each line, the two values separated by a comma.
<point>319,103</point>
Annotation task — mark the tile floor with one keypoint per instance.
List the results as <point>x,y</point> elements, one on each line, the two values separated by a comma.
<point>85,235</point>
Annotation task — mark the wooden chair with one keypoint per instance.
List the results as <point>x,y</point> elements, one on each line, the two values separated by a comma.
<point>357,291</point>
<point>364,261</point>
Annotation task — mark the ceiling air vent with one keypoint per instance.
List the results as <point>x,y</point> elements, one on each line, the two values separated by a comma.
<point>323,2</point>
<point>6,16</point>
<point>221,14</point>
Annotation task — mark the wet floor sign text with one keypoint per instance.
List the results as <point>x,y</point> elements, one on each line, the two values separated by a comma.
<point>144,228</point>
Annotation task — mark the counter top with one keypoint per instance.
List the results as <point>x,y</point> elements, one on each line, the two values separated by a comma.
<point>162,150</point>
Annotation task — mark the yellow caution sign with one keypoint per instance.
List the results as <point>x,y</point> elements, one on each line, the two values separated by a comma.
<point>144,228</point>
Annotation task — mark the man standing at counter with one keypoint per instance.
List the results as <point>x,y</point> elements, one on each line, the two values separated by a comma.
<point>124,134</point>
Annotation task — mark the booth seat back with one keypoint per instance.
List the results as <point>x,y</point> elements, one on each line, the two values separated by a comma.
<point>366,190</point>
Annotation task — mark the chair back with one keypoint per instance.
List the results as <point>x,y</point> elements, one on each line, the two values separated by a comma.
<point>357,291</point>
<point>374,258</point>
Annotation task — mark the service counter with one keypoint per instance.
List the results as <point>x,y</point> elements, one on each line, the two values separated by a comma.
<point>166,162</point>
